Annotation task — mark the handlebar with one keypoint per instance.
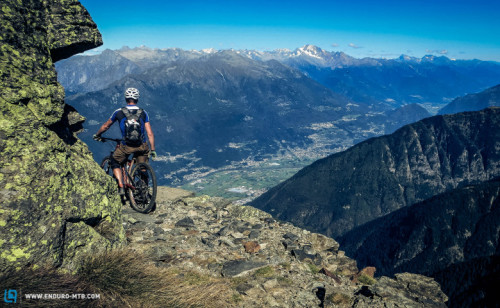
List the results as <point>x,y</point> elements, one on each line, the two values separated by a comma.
<point>104,139</point>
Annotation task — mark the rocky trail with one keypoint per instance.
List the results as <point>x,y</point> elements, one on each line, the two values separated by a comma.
<point>268,263</point>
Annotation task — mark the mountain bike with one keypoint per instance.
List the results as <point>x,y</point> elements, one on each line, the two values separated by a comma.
<point>139,181</point>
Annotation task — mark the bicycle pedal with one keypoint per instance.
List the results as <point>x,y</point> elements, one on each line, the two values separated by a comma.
<point>121,191</point>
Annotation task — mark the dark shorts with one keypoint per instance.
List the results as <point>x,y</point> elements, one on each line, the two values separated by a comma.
<point>121,153</point>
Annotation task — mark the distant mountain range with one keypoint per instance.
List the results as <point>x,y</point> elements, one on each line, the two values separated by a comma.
<point>216,109</point>
<point>474,102</point>
<point>430,81</point>
<point>235,107</point>
<point>80,74</point>
<point>380,175</point>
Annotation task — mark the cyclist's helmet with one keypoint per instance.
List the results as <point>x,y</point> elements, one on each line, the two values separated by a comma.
<point>132,93</point>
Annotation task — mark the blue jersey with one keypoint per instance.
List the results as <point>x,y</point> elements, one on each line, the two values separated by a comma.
<point>119,116</point>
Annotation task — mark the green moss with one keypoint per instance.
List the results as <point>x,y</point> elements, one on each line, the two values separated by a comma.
<point>15,253</point>
<point>266,271</point>
<point>193,278</point>
<point>366,280</point>
<point>313,268</point>
<point>285,281</point>
<point>47,179</point>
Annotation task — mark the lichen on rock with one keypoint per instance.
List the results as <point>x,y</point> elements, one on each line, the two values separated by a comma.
<point>55,202</point>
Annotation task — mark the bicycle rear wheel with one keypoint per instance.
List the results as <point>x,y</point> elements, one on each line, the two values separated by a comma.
<point>106,165</point>
<point>143,196</point>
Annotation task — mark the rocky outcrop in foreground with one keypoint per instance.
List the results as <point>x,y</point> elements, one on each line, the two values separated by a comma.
<point>55,202</point>
<point>269,263</point>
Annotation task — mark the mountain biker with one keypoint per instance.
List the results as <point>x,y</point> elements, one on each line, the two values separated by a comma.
<point>133,122</point>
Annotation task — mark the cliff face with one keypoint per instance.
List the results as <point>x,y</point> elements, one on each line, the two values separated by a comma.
<point>429,236</point>
<point>54,200</point>
<point>383,174</point>
<point>452,237</point>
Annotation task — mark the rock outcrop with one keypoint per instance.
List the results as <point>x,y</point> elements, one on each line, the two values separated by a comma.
<point>406,290</point>
<point>383,174</point>
<point>55,203</point>
<point>269,263</point>
<point>453,227</point>
<point>454,230</point>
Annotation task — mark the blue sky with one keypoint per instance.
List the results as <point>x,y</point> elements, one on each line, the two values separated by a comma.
<point>460,29</point>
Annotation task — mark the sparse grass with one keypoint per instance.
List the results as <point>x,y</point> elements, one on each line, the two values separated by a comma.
<point>366,280</point>
<point>236,298</point>
<point>338,299</point>
<point>122,278</point>
<point>313,268</point>
<point>284,281</point>
<point>238,280</point>
<point>45,280</point>
<point>266,272</point>
<point>193,278</point>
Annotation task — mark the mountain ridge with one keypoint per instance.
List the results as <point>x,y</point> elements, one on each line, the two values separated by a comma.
<point>385,173</point>
<point>460,222</point>
<point>336,70</point>
<point>473,102</point>
<point>230,108</point>
<point>449,235</point>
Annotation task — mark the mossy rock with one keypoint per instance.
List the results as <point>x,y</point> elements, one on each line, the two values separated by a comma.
<point>49,182</point>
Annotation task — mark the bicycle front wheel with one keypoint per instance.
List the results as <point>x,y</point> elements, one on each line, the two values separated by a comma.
<point>143,195</point>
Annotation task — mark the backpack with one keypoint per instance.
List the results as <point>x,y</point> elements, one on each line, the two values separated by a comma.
<point>133,133</point>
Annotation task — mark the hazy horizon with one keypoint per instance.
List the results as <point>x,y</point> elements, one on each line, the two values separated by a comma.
<point>459,29</point>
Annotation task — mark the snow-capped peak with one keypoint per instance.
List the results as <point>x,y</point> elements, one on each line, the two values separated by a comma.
<point>311,51</point>
<point>209,50</point>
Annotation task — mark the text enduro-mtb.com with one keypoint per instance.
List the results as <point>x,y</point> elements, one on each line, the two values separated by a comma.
<point>61,296</point>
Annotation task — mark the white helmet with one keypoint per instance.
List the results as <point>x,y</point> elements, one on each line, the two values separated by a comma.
<point>132,93</point>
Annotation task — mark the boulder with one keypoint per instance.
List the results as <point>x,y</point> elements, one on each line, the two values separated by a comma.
<point>55,202</point>
<point>406,290</point>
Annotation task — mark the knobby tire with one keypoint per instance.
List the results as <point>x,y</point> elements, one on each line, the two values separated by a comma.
<point>143,197</point>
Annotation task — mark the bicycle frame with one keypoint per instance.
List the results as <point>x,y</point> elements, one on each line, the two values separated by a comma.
<point>126,178</point>
<point>125,167</point>
<point>139,192</point>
